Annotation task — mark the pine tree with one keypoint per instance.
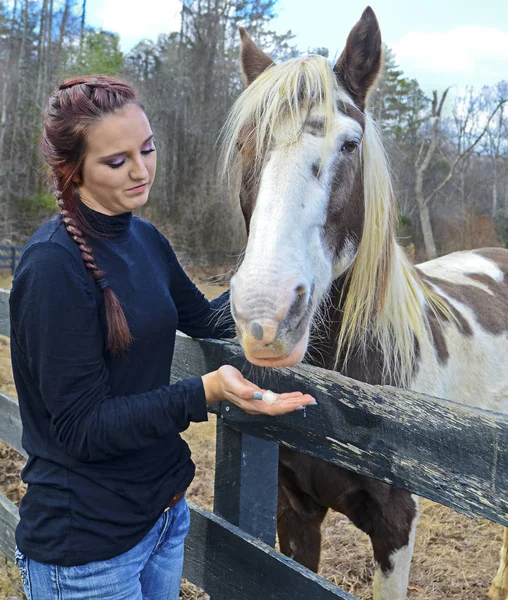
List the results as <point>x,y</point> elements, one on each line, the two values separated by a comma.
<point>99,53</point>
<point>397,103</point>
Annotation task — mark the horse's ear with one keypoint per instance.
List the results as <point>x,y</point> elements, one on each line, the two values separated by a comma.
<point>360,62</point>
<point>254,60</point>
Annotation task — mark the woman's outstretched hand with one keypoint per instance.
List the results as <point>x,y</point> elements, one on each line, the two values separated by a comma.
<point>229,384</point>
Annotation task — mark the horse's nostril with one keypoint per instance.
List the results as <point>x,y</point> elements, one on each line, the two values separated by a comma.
<point>298,307</point>
<point>301,289</point>
<point>257,331</point>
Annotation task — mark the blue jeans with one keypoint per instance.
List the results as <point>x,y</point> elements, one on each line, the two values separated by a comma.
<point>152,570</point>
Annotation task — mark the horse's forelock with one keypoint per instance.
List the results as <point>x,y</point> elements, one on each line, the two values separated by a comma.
<point>286,91</point>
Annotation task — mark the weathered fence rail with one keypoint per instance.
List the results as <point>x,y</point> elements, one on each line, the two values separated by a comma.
<point>447,452</point>
<point>9,257</point>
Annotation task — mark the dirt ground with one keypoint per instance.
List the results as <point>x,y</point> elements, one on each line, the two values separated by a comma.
<point>455,557</point>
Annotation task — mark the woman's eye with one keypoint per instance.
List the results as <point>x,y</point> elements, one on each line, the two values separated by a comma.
<point>349,147</point>
<point>117,164</point>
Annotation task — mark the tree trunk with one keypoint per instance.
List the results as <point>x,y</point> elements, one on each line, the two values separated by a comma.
<point>20,71</point>
<point>83,22</point>
<point>494,198</point>
<point>63,27</point>
<point>4,97</point>
<point>421,167</point>
<point>506,201</point>
<point>41,51</point>
<point>48,71</point>
<point>428,234</point>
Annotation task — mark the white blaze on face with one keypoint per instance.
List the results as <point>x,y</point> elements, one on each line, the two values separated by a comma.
<point>286,253</point>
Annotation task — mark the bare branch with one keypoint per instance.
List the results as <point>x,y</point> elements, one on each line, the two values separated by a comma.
<point>419,155</point>
<point>437,109</point>
<point>461,156</point>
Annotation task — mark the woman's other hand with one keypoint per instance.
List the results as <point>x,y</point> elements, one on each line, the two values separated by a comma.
<point>229,384</point>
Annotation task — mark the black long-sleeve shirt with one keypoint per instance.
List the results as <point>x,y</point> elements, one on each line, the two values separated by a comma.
<point>102,432</point>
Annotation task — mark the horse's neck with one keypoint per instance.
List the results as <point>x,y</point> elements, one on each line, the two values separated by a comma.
<point>322,349</point>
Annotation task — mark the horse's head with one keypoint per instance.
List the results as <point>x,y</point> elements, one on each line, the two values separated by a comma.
<point>299,128</point>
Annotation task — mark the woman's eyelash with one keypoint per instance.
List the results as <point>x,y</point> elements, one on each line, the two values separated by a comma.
<point>118,165</point>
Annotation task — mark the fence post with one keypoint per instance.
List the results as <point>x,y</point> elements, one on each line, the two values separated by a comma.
<point>246,474</point>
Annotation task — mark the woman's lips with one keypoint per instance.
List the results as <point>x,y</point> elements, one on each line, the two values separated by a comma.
<point>138,188</point>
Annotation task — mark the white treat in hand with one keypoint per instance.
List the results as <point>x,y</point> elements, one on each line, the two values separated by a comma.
<point>269,397</point>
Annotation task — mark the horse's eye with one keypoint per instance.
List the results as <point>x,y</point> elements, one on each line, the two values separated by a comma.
<point>349,147</point>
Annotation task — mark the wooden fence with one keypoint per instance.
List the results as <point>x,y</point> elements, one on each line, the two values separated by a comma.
<point>9,257</point>
<point>447,452</point>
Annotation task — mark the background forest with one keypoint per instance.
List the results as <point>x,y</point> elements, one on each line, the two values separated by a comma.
<point>449,153</point>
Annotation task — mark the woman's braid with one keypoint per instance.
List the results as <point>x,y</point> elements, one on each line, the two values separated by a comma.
<point>78,237</point>
<point>71,110</point>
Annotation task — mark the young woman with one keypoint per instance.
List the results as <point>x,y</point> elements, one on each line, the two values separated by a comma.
<point>96,300</point>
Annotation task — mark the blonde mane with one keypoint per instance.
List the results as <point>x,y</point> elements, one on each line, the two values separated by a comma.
<point>281,92</point>
<point>386,300</point>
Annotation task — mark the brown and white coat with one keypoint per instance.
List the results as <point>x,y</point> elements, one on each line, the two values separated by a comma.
<point>323,279</point>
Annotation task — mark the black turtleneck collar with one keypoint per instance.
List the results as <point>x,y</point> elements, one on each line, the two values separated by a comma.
<point>111,225</point>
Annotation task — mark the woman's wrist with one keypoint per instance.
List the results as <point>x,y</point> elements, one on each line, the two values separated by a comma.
<point>212,387</point>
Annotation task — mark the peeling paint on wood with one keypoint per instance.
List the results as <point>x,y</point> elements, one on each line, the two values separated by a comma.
<point>216,552</point>
<point>5,328</point>
<point>10,423</point>
<point>445,451</point>
<point>9,518</point>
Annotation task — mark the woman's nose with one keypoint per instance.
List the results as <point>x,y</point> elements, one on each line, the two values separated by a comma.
<point>138,169</point>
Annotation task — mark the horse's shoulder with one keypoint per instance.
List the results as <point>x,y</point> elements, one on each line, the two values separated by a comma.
<point>478,281</point>
<point>468,267</point>
<point>499,256</point>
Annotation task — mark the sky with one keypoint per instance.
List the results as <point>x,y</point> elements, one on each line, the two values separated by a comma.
<point>440,43</point>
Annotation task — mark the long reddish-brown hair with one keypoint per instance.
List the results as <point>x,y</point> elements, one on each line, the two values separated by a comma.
<point>72,109</point>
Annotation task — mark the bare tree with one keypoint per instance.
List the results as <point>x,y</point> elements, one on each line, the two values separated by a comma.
<point>189,80</point>
<point>496,145</point>
<point>425,197</point>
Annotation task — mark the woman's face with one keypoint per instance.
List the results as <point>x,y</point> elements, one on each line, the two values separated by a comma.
<point>120,162</point>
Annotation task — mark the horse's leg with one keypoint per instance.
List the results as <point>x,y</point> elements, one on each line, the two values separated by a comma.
<point>307,486</point>
<point>389,516</point>
<point>499,587</point>
<point>391,578</point>
<point>299,520</point>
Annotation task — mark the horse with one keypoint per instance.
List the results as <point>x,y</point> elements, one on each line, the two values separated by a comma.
<point>324,280</point>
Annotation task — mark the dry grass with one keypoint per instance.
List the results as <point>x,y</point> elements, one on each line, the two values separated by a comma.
<point>5,280</point>
<point>455,557</point>
<point>466,230</point>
